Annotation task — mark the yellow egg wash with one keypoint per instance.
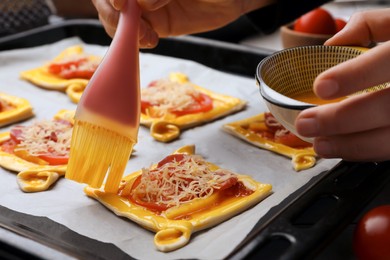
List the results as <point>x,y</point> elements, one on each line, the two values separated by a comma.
<point>311,98</point>
<point>34,174</point>
<point>175,225</point>
<point>14,109</point>
<point>301,158</point>
<point>41,77</point>
<point>168,127</point>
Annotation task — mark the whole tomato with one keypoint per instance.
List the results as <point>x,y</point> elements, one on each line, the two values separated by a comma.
<point>340,24</point>
<point>372,235</point>
<point>317,21</point>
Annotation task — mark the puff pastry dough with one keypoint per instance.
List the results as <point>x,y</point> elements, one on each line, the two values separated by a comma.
<point>43,78</point>
<point>168,127</point>
<point>302,158</point>
<point>33,176</point>
<point>175,225</point>
<point>14,109</point>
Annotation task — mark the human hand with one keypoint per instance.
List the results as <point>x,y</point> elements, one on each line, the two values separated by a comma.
<point>357,128</point>
<point>163,18</point>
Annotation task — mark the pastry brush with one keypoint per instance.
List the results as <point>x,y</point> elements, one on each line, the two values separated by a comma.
<point>107,116</point>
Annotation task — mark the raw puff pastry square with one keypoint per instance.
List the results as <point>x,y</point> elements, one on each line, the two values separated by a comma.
<point>42,78</point>
<point>173,233</point>
<point>33,177</point>
<point>20,109</point>
<point>168,127</point>
<point>302,159</point>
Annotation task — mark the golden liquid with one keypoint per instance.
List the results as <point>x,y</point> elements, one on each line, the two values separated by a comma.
<point>311,98</point>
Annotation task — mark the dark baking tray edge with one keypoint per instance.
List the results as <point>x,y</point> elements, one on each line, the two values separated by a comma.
<point>298,228</point>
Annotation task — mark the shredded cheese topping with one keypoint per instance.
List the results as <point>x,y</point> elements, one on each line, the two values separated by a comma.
<point>166,95</point>
<point>45,137</point>
<point>271,121</point>
<point>86,63</point>
<point>281,130</point>
<point>177,182</point>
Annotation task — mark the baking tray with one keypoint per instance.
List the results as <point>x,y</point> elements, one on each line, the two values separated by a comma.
<point>298,228</point>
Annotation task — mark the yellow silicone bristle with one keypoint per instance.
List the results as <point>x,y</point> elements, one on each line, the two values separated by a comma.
<point>97,152</point>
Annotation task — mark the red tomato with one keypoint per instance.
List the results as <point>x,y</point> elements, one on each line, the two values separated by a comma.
<point>9,146</point>
<point>71,69</point>
<point>170,158</point>
<point>145,105</point>
<point>318,21</point>
<point>150,205</point>
<point>16,133</point>
<point>54,159</point>
<point>203,103</point>
<point>83,74</point>
<point>288,138</point>
<point>228,183</point>
<point>372,235</point>
<point>153,205</point>
<point>340,24</point>
<point>238,190</point>
<point>292,140</point>
<point>272,123</point>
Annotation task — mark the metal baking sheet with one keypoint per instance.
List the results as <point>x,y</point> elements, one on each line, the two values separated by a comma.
<point>222,67</point>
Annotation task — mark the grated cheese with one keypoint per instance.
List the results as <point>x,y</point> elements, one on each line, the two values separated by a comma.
<point>177,182</point>
<point>45,137</point>
<point>167,95</point>
<point>281,130</point>
<point>86,63</point>
<point>271,121</point>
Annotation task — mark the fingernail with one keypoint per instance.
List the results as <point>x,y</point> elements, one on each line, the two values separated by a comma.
<point>323,147</point>
<point>307,126</point>
<point>327,88</point>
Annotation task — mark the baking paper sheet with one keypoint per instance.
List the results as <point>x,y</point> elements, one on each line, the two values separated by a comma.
<point>66,202</point>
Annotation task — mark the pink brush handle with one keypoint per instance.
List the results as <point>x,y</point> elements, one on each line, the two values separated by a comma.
<point>113,91</point>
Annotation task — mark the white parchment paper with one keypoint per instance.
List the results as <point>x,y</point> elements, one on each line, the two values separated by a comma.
<point>66,203</point>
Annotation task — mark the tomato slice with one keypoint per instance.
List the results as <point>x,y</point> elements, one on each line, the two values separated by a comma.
<point>238,190</point>
<point>15,139</point>
<point>145,105</point>
<point>55,160</point>
<point>9,146</point>
<point>170,158</point>
<point>272,123</point>
<point>58,67</point>
<point>16,133</point>
<point>228,186</point>
<point>292,140</point>
<point>72,69</point>
<point>287,138</point>
<point>84,74</point>
<point>150,205</point>
<point>203,103</point>
<point>228,183</point>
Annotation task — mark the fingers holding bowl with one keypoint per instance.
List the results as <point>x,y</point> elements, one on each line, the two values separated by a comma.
<point>354,129</point>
